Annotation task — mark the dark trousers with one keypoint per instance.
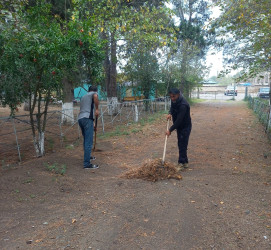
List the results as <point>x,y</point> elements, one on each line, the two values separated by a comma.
<point>183,138</point>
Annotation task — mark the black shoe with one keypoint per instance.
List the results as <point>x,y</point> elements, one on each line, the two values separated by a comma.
<point>91,166</point>
<point>92,158</point>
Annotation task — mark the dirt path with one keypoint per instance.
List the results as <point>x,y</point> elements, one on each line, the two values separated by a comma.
<point>223,201</point>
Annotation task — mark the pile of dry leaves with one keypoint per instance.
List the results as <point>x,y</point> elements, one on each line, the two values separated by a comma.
<point>153,171</point>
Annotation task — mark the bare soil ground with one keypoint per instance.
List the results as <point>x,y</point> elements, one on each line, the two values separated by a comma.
<point>57,134</point>
<point>222,202</point>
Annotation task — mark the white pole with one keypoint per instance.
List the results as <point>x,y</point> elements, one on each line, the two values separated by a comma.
<point>165,146</point>
<point>102,118</point>
<point>136,113</point>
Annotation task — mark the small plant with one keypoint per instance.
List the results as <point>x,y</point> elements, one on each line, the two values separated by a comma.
<point>32,196</point>
<point>5,166</point>
<point>21,199</point>
<point>29,180</point>
<point>136,130</point>
<point>56,169</point>
<point>51,143</point>
<point>71,146</point>
<point>133,127</point>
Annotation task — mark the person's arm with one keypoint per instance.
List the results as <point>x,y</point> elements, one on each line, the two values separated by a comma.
<point>179,119</point>
<point>96,103</point>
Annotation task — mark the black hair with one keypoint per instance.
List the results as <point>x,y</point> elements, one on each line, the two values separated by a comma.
<point>174,91</point>
<point>92,88</point>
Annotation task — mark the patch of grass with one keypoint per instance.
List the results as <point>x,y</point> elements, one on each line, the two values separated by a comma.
<point>51,143</point>
<point>21,199</point>
<point>71,146</point>
<point>194,101</point>
<point>32,196</point>
<point>132,127</point>
<point>76,143</point>
<point>136,130</point>
<point>118,131</point>
<point>263,100</point>
<point>6,166</point>
<point>152,118</point>
<point>55,168</point>
<point>29,180</point>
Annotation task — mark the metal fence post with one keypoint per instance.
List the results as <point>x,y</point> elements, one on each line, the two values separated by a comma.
<point>78,127</point>
<point>102,117</point>
<point>61,132</point>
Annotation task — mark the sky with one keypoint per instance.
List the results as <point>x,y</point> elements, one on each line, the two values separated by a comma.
<point>214,59</point>
<point>214,62</point>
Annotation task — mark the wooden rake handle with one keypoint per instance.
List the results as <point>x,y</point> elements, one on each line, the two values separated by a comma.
<point>165,146</point>
<point>95,131</point>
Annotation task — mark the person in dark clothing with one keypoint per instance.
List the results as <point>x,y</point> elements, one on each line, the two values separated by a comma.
<point>180,114</point>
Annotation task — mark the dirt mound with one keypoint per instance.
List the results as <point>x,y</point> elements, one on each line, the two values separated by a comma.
<point>154,171</point>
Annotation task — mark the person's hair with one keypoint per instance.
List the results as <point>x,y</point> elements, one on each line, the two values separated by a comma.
<point>92,88</point>
<point>174,91</point>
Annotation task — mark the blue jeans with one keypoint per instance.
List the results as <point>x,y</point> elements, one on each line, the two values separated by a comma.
<point>86,126</point>
<point>183,138</point>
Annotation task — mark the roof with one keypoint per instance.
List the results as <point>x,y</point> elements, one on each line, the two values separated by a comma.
<point>208,82</point>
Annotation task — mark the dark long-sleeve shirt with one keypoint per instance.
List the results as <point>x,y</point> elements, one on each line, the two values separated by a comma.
<point>180,111</point>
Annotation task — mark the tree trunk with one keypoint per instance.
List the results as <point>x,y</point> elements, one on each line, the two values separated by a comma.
<point>183,78</point>
<point>107,63</point>
<point>39,144</point>
<point>67,106</point>
<point>112,100</point>
<point>269,121</point>
<point>36,121</point>
<point>112,88</point>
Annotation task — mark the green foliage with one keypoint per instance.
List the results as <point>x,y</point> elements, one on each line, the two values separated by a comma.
<point>124,130</point>
<point>184,68</point>
<point>223,80</point>
<point>36,52</point>
<point>143,21</point>
<point>56,169</point>
<point>29,58</point>
<point>248,45</point>
<point>142,70</point>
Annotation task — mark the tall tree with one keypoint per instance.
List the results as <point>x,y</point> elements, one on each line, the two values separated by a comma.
<point>142,70</point>
<point>244,28</point>
<point>192,37</point>
<point>123,20</point>
<point>34,56</point>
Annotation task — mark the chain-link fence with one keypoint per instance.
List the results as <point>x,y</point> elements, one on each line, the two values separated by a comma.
<point>262,109</point>
<point>16,140</point>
